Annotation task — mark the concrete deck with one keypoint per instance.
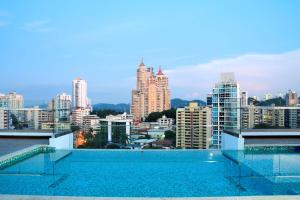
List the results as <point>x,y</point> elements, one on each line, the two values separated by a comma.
<point>28,197</point>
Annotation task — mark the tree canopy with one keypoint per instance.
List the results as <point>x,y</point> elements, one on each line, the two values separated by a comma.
<point>154,116</point>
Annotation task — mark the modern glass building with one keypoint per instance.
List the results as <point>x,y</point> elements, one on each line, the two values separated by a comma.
<point>225,107</point>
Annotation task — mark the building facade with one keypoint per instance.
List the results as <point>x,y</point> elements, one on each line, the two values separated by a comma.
<point>165,122</point>
<point>4,119</point>
<point>77,116</point>
<point>116,129</point>
<point>63,107</point>
<point>244,98</point>
<point>152,93</point>
<point>225,107</point>
<point>79,97</point>
<point>193,127</point>
<point>11,101</point>
<point>91,122</point>
<point>291,98</point>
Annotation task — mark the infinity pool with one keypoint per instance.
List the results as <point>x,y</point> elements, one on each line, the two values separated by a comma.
<point>174,173</point>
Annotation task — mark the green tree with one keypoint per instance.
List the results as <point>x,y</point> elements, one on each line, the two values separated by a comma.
<point>105,112</point>
<point>265,126</point>
<point>154,116</point>
<point>171,135</point>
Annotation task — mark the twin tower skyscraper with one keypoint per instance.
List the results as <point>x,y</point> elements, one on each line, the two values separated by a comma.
<point>152,93</point>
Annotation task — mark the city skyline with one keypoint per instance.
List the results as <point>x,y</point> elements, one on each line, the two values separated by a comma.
<point>105,48</point>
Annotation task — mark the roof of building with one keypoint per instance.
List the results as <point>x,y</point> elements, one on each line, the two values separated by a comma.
<point>272,130</point>
<point>145,141</point>
<point>160,71</point>
<point>142,63</point>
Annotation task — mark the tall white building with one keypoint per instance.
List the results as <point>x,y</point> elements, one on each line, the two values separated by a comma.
<point>80,98</point>
<point>225,107</point>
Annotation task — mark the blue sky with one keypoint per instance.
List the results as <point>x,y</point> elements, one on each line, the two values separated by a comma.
<point>44,45</point>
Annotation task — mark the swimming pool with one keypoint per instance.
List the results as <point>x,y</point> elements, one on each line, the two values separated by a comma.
<point>153,173</point>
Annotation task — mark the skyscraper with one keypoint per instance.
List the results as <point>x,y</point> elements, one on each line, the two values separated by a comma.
<point>152,93</point>
<point>225,107</point>
<point>81,103</point>
<point>79,98</point>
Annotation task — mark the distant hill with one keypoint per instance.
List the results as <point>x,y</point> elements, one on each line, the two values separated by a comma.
<point>121,107</point>
<point>276,101</point>
<point>179,103</point>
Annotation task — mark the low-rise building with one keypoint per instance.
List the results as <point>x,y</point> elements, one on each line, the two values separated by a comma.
<point>77,116</point>
<point>165,122</point>
<point>91,122</point>
<point>157,133</point>
<point>4,119</point>
<point>116,129</point>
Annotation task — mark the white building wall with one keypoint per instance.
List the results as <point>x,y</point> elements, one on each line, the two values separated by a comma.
<point>230,142</point>
<point>62,142</point>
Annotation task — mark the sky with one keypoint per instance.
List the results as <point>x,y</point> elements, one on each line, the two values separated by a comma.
<point>44,45</point>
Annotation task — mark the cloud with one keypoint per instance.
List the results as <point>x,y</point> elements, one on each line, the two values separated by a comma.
<point>257,73</point>
<point>38,26</point>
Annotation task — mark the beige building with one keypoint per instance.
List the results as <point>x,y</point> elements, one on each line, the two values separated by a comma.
<point>152,93</point>
<point>77,116</point>
<point>252,116</point>
<point>91,122</point>
<point>193,129</point>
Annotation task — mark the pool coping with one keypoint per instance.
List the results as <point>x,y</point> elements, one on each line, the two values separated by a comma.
<point>28,197</point>
<point>10,159</point>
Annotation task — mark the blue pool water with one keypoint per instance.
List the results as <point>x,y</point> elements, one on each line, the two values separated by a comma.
<point>182,173</point>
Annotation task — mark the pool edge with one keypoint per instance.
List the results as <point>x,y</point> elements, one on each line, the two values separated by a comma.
<point>27,197</point>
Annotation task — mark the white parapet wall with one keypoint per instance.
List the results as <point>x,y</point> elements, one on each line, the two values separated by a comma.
<point>62,142</point>
<point>232,142</point>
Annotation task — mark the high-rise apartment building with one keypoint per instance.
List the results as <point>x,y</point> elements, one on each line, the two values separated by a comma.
<point>11,101</point>
<point>193,128</point>
<point>250,117</point>
<point>292,118</point>
<point>291,98</point>
<point>80,98</point>
<point>244,98</point>
<point>63,107</point>
<point>225,107</point>
<point>152,93</point>
<point>271,116</point>
<point>3,101</point>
